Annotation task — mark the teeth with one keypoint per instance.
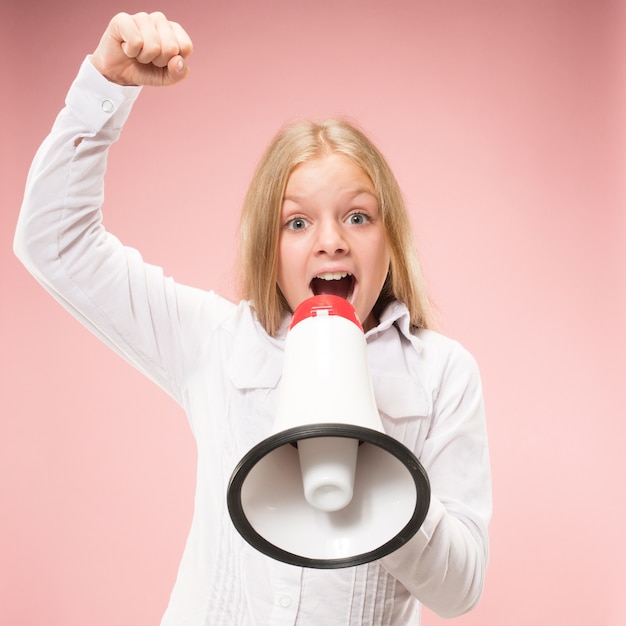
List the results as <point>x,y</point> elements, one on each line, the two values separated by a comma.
<point>332,275</point>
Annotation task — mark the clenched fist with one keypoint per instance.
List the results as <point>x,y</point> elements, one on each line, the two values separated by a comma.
<point>143,49</point>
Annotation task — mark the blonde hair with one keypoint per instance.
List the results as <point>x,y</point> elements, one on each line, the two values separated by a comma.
<point>260,220</point>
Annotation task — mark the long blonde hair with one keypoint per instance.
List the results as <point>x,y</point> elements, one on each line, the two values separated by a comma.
<point>260,220</point>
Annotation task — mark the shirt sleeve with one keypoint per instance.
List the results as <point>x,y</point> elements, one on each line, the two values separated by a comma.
<point>444,564</point>
<point>140,313</point>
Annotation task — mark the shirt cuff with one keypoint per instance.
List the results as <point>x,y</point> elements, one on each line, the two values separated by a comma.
<point>97,101</point>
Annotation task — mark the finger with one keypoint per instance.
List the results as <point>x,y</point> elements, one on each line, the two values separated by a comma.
<point>167,39</point>
<point>178,67</point>
<point>125,29</point>
<point>185,45</point>
<point>146,45</point>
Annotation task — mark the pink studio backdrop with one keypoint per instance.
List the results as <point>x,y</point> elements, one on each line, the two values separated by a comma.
<point>504,122</point>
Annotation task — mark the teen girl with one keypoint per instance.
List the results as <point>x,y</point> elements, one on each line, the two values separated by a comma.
<point>323,214</point>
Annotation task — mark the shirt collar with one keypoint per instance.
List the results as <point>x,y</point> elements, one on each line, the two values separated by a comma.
<point>396,314</point>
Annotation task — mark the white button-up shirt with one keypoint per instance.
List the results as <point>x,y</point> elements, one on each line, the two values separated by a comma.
<point>217,361</point>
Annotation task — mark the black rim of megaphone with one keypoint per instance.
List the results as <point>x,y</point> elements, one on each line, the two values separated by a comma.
<point>292,435</point>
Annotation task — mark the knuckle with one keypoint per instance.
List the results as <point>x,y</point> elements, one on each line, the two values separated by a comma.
<point>151,49</point>
<point>169,50</point>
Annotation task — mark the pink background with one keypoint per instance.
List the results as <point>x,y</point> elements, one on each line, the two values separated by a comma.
<point>504,121</point>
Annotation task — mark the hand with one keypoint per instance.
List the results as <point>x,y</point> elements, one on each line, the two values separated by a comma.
<point>143,49</point>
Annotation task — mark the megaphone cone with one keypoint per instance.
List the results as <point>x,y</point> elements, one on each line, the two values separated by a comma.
<point>328,488</point>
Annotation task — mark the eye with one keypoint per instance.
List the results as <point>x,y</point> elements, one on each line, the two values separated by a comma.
<point>296,223</point>
<point>357,219</point>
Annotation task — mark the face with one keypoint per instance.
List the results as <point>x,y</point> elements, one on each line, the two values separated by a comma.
<point>332,238</point>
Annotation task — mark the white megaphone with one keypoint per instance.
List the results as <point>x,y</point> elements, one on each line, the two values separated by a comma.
<point>328,488</point>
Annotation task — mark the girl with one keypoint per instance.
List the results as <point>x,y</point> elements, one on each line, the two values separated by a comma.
<point>323,214</point>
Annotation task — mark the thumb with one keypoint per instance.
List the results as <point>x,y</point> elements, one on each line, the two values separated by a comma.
<point>177,69</point>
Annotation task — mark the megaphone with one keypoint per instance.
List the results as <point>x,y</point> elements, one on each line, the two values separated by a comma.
<point>328,488</point>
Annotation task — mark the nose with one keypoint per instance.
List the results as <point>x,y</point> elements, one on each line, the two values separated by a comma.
<point>331,239</point>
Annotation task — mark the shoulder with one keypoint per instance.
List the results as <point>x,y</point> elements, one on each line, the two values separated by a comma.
<point>444,356</point>
<point>433,342</point>
<point>239,321</point>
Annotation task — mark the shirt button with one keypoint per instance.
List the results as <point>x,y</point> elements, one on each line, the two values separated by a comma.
<point>107,106</point>
<point>285,602</point>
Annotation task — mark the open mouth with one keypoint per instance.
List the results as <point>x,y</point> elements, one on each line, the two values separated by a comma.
<point>333,283</point>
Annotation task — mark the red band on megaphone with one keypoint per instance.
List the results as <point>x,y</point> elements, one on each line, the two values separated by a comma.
<point>324,304</point>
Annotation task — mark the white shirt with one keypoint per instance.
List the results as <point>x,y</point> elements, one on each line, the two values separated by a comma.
<point>216,360</point>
